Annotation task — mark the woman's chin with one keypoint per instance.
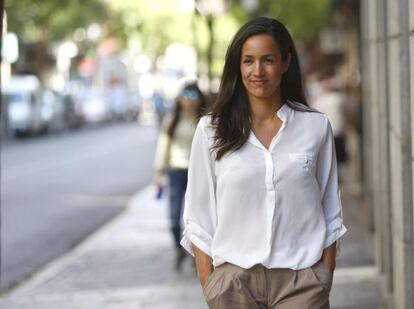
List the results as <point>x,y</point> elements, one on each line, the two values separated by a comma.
<point>262,95</point>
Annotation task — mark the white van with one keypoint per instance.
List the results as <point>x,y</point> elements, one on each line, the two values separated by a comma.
<point>22,101</point>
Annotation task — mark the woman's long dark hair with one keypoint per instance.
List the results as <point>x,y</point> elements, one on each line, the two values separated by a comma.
<point>177,109</point>
<point>230,113</point>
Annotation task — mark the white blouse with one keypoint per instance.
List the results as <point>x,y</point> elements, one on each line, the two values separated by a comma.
<point>279,207</point>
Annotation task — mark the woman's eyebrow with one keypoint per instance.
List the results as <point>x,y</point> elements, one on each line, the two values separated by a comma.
<point>262,56</point>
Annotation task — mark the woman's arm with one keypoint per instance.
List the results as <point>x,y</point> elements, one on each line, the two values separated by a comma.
<point>200,203</point>
<point>327,177</point>
<point>329,257</point>
<point>162,153</point>
<point>204,264</point>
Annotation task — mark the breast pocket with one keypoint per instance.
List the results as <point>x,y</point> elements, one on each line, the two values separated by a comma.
<point>303,161</point>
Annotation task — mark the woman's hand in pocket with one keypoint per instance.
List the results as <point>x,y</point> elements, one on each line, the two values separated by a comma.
<point>204,280</point>
<point>329,257</point>
<point>204,265</point>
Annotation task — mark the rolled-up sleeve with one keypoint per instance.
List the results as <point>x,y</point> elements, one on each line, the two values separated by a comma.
<point>200,198</point>
<point>327,175</point>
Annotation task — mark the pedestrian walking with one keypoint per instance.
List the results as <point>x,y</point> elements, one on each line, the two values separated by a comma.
<point>262,209</point>
<point>172,155</point>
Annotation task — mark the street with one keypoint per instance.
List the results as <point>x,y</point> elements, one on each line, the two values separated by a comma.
<point>56,190</point>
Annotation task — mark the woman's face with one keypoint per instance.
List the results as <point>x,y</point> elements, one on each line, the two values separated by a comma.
<point>189,101</point>
<point>262,67</point>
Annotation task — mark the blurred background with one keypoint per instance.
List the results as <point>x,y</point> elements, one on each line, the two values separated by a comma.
<point>85,86</point>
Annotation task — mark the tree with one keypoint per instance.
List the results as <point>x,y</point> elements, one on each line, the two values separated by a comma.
<point>52,20</point>
<point>303,18</point>
<point>156,23</point>
<point>41,24</point>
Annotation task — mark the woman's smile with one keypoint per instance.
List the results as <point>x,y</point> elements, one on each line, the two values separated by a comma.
<point>262,66</point>
<point>259,82</point>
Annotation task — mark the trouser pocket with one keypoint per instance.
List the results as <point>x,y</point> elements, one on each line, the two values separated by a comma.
<point>322,274</point>
<point>234,287</point>
<point>208,283</point>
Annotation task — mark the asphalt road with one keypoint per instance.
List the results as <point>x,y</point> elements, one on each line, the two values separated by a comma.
<point>56,190</point>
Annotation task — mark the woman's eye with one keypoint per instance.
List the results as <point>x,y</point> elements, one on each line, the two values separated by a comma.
<point>247,61</point>
<point>269,60</point>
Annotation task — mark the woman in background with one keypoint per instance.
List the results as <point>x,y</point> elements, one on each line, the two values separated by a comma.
<point>172,155</point>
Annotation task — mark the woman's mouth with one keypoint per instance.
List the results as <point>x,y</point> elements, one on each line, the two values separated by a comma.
<point>259,82</point>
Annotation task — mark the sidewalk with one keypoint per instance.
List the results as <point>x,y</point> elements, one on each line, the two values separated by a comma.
<point>129,264</point>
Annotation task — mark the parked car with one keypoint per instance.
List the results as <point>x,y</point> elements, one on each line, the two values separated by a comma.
<point>94,107</point>
<point>125,104</point>
<point>53,112</point>
<point>133,105</point>
<point>22,98</point>
<point>72,112</point>
<point>118,99</point>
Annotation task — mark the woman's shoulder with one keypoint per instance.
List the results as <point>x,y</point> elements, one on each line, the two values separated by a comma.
<point>206,125</point>
<point>206,122</point>
<point>305,111</point>
<point>312,120</point>
<point>301,107</point>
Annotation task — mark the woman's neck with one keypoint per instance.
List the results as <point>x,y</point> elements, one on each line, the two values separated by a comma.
<point>188,113</point>
<point>263,110</point>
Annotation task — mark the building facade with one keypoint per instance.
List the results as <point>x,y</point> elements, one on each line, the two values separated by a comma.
<point>387,50</point>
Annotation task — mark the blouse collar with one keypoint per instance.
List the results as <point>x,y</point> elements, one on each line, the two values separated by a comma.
<point>282,113</point>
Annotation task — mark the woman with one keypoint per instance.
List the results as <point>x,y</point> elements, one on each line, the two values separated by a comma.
<point>172,155</point>
<point>263,212</point>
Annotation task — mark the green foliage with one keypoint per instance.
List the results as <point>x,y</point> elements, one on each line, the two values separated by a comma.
<point>158,23</point>
<point>52,20</point>
<point>304,18</point>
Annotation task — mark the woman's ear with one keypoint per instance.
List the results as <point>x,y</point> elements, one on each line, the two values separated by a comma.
<point>287,62</point>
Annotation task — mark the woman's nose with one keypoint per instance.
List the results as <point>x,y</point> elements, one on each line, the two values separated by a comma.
<point>258,68</point>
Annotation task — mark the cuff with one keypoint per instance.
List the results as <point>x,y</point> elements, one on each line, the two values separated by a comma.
<point>194,234</point>
<point>334,231</point>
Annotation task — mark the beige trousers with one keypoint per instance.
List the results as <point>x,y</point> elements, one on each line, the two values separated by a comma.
<point>233,287</point>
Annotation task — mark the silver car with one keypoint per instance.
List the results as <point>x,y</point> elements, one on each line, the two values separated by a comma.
<point>22,99</point>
